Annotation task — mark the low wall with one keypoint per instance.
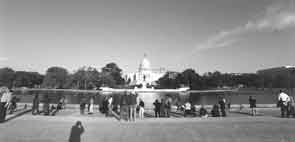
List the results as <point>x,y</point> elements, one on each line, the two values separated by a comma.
<point>96,106</point>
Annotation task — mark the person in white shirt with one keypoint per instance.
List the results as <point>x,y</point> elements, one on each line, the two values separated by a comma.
<point>110,105</point>
<point>4,103</point>
<point>91,107</point>
<point>187,109</point>
<point>283,99</point>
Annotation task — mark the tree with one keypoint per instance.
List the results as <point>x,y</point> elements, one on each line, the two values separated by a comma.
<point>27,79</point>
<point>167,81</point>
<point>191,78</point>
<point>214,80</point>
<point>7,76</point>
<point>85,78</point>
<point>55,77</point>
<point>112,75</point>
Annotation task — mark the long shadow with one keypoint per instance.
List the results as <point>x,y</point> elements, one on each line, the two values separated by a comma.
<point>17,115</point>
<point>181,114</point>
<point>148,115</point>
<point>247,113</point>
<point>116,115</point>
<point>176,114</point>
<point>172,114</point>
<point>54,112</point>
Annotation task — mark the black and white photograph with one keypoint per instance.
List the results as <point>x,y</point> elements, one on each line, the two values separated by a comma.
<point>147,70</point>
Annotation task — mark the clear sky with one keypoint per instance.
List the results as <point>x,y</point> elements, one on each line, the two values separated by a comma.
<point>206,35</point>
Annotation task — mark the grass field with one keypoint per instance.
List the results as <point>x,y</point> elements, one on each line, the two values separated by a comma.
<point>243,128</point>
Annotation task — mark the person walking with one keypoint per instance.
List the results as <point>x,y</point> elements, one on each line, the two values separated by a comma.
<point>4,103</point>
<point>76,132</point>
<point>141,109</point>
<point>252,103</point>
<point>35,108</point>
<point>283,99</point>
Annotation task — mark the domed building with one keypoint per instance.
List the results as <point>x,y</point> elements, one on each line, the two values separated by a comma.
<point>145,75</point>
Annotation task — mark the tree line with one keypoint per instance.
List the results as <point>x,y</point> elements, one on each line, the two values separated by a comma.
<point>60,78</point>
<point>213,80</point>
<point>111,76</point>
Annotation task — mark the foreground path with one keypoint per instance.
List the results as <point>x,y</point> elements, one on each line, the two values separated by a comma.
<point>243,129</point>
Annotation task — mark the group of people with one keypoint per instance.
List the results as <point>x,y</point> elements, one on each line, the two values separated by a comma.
<point>163,108</point>
<point>130,105</point>
<point>47,109</point>
<point>218,109</point>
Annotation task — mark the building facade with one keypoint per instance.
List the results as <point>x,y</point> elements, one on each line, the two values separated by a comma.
<point>145,75</point>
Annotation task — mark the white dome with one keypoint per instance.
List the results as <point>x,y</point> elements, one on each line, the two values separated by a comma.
<point>145,64</point>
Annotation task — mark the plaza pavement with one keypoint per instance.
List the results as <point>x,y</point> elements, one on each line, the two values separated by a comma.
<point>238,127</point>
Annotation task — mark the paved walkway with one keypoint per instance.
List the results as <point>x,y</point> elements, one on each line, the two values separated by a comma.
<point>243,129</point>
<point>237,127</point>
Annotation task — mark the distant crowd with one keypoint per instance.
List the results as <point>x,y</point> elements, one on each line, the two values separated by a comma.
<point>129,106</point>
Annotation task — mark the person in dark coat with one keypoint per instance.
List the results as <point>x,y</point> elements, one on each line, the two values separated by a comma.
<point>82,106</point>
<point>215,111</point>
<point>104,105</point>
<point>76,132</point>
<point>157,109</point>
<point>203,112</point>
<point>46,105</point>
<point>162,108</point>
<point>36,101</point>
<point>59,104</point>
<point>124,110</point>
<point>252,103</point>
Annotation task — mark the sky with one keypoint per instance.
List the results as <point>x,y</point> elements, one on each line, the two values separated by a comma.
<point>237,36</point>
